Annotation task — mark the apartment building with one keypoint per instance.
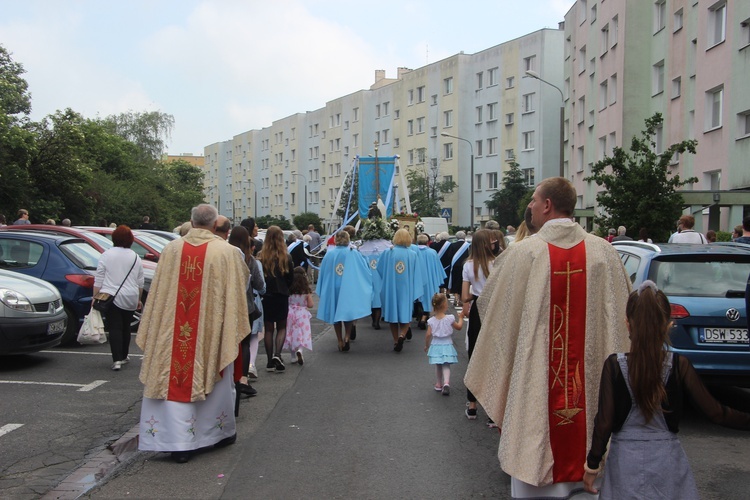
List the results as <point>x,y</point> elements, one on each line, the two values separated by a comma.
<point>475,110</point>
<point>686,59</point>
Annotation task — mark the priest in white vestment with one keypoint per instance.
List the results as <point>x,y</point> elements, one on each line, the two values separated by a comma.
<point>190,333</point>
<point>552,310</point>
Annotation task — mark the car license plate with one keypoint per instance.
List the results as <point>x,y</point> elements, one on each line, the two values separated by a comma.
<point>56,327</point>
<point>724,335</point>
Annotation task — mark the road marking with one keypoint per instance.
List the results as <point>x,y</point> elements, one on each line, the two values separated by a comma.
<point>9,428</point>
<point>89,353</point>
<point>82,387</point>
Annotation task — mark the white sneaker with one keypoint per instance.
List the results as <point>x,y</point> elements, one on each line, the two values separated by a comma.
<point>126,360</point>
<point>116,366</point>
<point>252,372</point>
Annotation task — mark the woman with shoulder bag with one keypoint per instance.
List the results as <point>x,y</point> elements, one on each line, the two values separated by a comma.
<point>120,274</point>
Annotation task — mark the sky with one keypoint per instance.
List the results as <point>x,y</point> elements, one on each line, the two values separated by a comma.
<point>223,67</point>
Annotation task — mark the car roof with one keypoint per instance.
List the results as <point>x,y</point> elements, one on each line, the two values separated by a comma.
<point>41,236</point>
<point>724,248</point>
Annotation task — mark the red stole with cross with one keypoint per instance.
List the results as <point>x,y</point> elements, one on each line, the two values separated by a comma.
<point>567,324</point>
<point>186,316</point>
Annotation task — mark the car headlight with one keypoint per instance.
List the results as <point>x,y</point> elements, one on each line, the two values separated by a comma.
<point>15,300</point>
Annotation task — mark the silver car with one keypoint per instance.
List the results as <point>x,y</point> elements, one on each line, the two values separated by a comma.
<point>32,316</point>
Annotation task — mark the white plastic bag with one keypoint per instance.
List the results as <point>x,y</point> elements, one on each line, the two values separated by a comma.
<point>92,330</point>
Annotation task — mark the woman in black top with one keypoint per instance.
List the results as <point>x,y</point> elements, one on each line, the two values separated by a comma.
<point>278,271</point>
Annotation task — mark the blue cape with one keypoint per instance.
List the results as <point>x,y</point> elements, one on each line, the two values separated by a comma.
<point>344,278</point>
<point>403,283</point>
<point>434,275</point>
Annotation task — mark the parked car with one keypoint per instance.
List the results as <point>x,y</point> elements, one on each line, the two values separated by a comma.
<point>165,235</point>
<point>98,241</point>
<point>705,285</point>
<point>147,247</point>
<point>32,316</point>
<point>66,262</point>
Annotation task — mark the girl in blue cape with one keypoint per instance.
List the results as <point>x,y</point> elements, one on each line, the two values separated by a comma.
<point>344,276</point>
<point>402,284</point>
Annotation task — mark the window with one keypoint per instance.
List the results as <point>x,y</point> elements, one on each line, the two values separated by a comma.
<point>603,94</point>
<point>493,76</point>
<point>528,175</point>
<point>355,140</point>
<point>612,89</point>
<point>592,68</point>
<point>420,125</point>
<point>410,127</point>
<point>448,179</point>
<point>658,78</point>
<point>659,139</point>
<point>492,146</point>
<point>660,15</point>
<point>582,8</point>
<point>568,47</point>
<point>433,99</point>
<point>411,96</point>
<point>509,155</point>
<point>355,113</point>
<point>385,138</point>
<point>377,111</point>
<point>581,59</point>
<point>448,86</point>
<point>612,143</point>
<point>480,80</point>
<point>602,150</point>
<point>478,147</point>
<point>580,159</point>
<point>605,39</point>
<point>677,21</point>
<point>714,101</point>
<point>529,63</point>
<point>411,157</point>
<point>677,87</point>
<point>510,82</point>
<point>615,30</point>
<point>448,151</point>
<point>386,105</point>
<point>421,155</point>
<point>433,131</point>
<point>492,180</point>
<point>492,111</point>
<point>346,125</point>
<point>397,114</point>
<point>421,95</point>
<point>581,109</point>
<point>717,23</point>
<point>396,144</point>
<point>528,103</point>
<point>477,182</point>
<point>743,124</point>
<point>479,113</point>
<point>528,140</point>
<point>745,33</point>
<point>509,118</point>
<point>448,118</point>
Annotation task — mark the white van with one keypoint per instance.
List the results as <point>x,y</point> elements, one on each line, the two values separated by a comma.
<point>434,225</point>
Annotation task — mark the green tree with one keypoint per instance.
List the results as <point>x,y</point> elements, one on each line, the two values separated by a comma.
<point>640,191</point>
<point>426,190</point>
<point>353,205</point>
<point>303,220</point>
<point>14,89</point>
<point>508,203</point>
<point>149,131</point>
<point>265,221</point>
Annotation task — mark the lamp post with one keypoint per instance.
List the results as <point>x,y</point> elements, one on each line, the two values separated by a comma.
<point>294,173</point>
<point>535,75</point>
<point>471,189</point>
<point>255,197</point>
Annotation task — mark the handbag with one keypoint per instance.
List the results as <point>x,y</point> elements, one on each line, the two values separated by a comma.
<point>92,330</point>
<point>102,301</point>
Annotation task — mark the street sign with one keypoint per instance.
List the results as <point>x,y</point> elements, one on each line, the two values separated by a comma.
<point>446,213</point>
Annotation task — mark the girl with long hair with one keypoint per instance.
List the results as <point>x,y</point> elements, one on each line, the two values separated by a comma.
<point>298,333</point>
<point>475,272</point>
<point>278,273</point>
<point>640,405</point>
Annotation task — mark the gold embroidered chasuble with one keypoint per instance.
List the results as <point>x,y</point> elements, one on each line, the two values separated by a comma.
<point>514,369</point>
<point>194,319</point>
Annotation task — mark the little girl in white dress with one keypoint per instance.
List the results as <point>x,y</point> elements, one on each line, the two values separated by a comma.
<point>439,341</point>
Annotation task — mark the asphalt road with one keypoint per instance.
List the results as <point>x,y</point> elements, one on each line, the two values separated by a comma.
<point>365,423</point>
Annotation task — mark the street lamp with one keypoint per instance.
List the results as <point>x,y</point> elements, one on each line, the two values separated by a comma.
<point>255,197</point>
<point>471,198</point>
<point>294,173</point>
<point>535,75</point>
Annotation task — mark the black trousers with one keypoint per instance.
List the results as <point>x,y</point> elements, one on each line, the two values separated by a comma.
<point>473,333</point>
<point>118,326</point>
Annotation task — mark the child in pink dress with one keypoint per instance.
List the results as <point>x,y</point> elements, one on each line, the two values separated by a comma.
<point>298,333</point>
<point>439,341</point>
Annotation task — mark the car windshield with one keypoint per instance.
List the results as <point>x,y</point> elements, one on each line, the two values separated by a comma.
<point>81,254</point>
<point>713,277</point>
<point>103,241</point>
<point>154,242</point>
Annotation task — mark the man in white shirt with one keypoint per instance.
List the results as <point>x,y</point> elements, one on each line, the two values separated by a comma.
<point>688,235</point>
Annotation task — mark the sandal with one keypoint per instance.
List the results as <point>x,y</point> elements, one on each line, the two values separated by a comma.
<point>399,345</point>
<point>346,346</point>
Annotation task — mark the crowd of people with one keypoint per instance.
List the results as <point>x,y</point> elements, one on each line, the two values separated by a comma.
<point>564,357</point>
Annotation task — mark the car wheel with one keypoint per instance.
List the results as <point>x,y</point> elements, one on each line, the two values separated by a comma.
<point>71,329</point>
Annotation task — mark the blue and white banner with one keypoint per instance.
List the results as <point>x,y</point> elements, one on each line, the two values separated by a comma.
<point>375,178</point>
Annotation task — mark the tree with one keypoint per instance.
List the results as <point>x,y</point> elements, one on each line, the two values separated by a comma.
<point>303,220</point>
<point>426,191</point>
<point>149,131</point>
<point>508,203</point>
<point>640,190</point>
<point>346,188</point>
<point>265,221</point>
<point>14,89</point>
